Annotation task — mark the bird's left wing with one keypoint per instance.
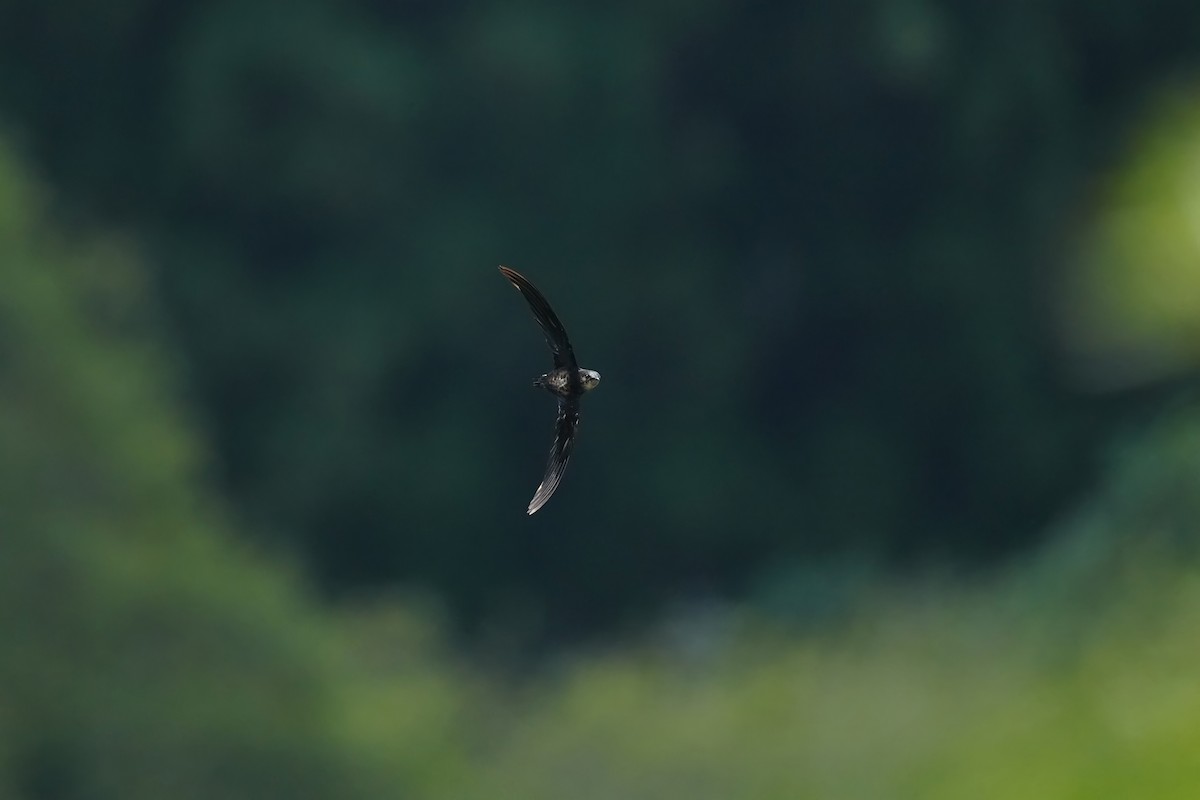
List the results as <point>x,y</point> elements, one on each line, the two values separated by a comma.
<point>560,452</point>
<point>556,334</point>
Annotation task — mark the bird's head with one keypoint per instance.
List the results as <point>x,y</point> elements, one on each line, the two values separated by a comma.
<point>589,378</point>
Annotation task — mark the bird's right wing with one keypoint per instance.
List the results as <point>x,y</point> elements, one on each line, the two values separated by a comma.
<point>560,452</point>
<point>556,334</point>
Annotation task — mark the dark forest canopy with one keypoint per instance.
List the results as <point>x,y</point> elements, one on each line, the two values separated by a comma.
<point>806,244</point>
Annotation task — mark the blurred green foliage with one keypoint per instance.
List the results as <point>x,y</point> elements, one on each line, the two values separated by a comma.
<point>146,652</point>
<point>806,243</point>
<point>1070,676</point>
<point>1133,310</point>
<point>143,653</point>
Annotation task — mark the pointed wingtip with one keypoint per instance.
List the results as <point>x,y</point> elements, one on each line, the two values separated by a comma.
<point>535,505</point>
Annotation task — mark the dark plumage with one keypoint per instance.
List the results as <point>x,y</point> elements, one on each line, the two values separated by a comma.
<point>566,381</point>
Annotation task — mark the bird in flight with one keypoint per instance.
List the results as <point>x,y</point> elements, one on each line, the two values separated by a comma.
<point>567,381</point>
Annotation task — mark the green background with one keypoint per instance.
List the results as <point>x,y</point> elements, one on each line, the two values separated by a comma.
<point>890,488</point>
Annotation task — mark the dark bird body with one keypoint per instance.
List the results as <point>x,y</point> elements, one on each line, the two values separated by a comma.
<point>567,381</point>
